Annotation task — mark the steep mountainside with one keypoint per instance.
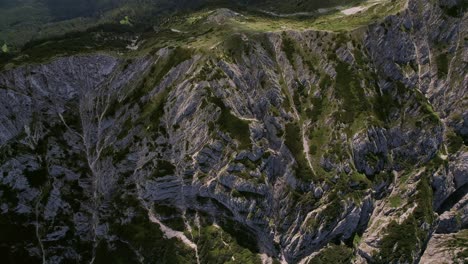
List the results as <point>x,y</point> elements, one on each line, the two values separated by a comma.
<point>256,141</point>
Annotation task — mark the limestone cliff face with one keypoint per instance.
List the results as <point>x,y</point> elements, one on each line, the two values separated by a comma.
<point>290,144</point>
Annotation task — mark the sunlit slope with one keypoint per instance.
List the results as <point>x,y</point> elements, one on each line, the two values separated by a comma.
<point>293,6</point>
<point>205,30</point>
<point>23,21</point>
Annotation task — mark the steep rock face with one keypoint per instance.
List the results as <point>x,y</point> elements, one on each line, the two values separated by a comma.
<point>288,142</point>
<point>448,247</point>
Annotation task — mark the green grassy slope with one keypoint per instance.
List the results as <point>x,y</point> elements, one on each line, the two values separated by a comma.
<point>155,29</point>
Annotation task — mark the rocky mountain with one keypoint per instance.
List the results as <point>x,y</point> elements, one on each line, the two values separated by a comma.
<point>221,136</point>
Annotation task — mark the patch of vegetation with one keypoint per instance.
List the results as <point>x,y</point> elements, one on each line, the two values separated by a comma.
<point>318,138</point>
<point>384,105</point>
<point>183,29</point>
<point>178,55</point>
<point>357,240</point>
<point>97,39</point>
<point>332,211</point>
<point>455,142</point>
<point>217,246</point>
<point>456,10</point>
<point>423,198</point>
<point>5,48</point>
<point>442,65</point>
<point>460,241</point>
<point>317,108</point>
<point>311,225</point>
<point>300,98</point>
<point>154,110</point>
<point>243,236</point>
<point>236,127</point>
<point>37,178</point>
<point>373,158</point>
<point>348,89</point>
<point>164,168</point>
<point>15,237</point>
<point>400,242</point>
<point>358,181</point>
<point>149,240</point>
<point>293,140</point>
<point>395,201</point>
<point>289,48</point>
<point>435,163</point>
<point>125,21</point>
<point>333,254</point>
<point>114,252</point>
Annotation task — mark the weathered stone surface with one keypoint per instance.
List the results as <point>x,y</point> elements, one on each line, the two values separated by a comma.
<point>86,144</point>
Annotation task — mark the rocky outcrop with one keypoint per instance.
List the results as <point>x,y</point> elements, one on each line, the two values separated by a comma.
<point>447,248</point>
<point>283,142</point>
